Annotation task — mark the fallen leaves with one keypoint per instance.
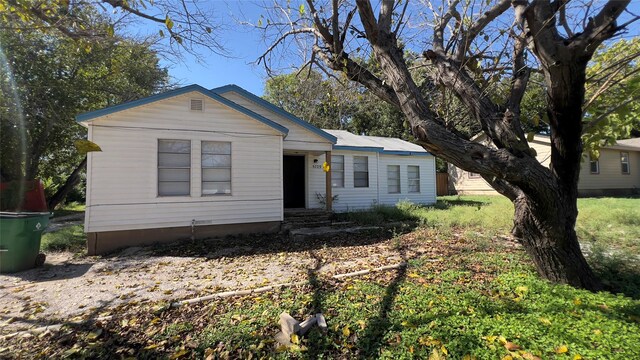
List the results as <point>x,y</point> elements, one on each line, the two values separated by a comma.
<point>511,346</point>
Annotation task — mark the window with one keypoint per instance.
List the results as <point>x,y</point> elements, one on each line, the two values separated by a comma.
<point>393,179</point>
<point>624,162</point>
<point>360,171</point>
<point>197,105</point>
<point>474,176</point>
<point>174,167</point>
<point>337,171</point>
<point>594,165</point>
<point>216,168</point>
<point>413,176</point>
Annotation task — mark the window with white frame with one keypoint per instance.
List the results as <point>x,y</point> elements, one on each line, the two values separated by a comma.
<point>624,163</point>
<point>594,165</point>
<point>360,171</point>
<point>216,168</point>
<point>474,175</point>
<point>174,167</point>
<point>413,178</point>
<point>393,179</point>
<point>337,171</point>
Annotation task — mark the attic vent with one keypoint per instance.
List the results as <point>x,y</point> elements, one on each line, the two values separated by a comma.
<point>196,104</point>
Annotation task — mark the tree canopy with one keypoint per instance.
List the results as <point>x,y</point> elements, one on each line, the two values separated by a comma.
<point>189,26</point>
<point>47,79</point>
<point>327,103</point>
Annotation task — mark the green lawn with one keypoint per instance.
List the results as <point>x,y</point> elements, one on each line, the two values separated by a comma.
<point>69,209</point>
<point>609,222</point>
<point>68,239</point>
<point>480,299</point>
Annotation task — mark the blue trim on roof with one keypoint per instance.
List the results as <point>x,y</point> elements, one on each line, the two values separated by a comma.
<point>405,153</point>
<point>358,148</point>
<point>171,93</point>
<point>276,109</point>
<point>380,150</point>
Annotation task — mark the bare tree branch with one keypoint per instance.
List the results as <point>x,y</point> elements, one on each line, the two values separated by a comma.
<point>600,27</point>
<point>467,37</point>
<point>562,12</point>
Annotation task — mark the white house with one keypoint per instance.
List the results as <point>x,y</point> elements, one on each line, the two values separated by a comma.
<point>193,162</point>
<point>615,172</point>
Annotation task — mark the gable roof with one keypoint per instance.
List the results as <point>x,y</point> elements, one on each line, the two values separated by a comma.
<point>276,109</point>
<point>628,144</point>
<point>88,116</point>
<point>384,145</point>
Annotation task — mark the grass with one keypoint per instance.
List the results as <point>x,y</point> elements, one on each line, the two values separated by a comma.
<point>476,303</point>
<point>67,239</point>
<point>610,222</point>
<point>69,209</point>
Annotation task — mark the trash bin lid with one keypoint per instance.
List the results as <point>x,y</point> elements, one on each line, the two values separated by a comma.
<point>21,214</point>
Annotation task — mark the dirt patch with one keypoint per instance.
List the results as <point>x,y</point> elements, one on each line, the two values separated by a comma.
<point>68,287</point>
<point>71,288</point>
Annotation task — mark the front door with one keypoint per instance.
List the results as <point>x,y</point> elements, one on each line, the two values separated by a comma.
<point>293,181</point>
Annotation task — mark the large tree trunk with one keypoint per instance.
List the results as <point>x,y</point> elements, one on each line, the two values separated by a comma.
<point>65,189</point>
<point>547,233</point>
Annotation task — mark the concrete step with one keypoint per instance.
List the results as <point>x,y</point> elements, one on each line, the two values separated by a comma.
<point>326,231</point>
<point>296,213</point>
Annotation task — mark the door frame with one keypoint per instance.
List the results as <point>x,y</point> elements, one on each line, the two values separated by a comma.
<point>304,180</point>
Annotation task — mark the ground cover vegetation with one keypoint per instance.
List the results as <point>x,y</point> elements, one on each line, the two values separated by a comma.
<point>470,294</point>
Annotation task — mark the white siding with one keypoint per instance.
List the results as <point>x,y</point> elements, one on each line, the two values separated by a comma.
<point>122,179</point>
<point>427,194</point>
<point>350,198</point>
<point>298,138</point>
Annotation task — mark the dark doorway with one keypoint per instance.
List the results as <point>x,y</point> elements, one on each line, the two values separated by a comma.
<point>293,181</point>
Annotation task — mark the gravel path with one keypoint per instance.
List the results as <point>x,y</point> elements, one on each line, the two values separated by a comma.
<point>76,288</point>
<point>65,221</point>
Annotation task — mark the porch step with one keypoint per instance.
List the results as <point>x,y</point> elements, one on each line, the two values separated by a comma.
<point>305,218</point>
<point>297,213</point>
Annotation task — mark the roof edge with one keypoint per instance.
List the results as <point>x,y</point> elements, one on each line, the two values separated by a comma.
<point>88,116</point>
<point>278,110</point>
<point>358,148</point>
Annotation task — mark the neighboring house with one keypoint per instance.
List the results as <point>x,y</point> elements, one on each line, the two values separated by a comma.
<point>616,172</point>
<point>193,162</point>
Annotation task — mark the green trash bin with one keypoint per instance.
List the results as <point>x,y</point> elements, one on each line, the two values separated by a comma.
<point>20,234</point>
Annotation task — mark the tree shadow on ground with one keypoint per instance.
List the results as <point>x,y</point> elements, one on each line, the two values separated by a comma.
<point>620,274</point>
<point>52,272</point>
<point>449,203</point>
<point>28,322</point>
<point>371,341</point>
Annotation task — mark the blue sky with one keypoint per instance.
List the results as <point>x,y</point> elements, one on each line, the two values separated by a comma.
<point>245,45</point>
